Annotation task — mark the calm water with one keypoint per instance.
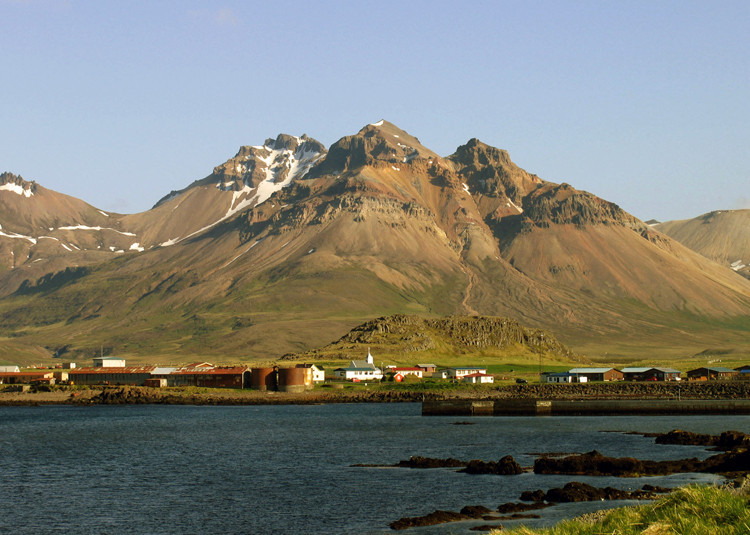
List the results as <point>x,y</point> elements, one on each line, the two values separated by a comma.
<point>287,469</point>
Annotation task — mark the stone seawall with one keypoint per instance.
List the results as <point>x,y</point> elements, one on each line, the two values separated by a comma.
<point>532,407</point>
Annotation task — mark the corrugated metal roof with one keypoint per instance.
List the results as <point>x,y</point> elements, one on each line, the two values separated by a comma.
<point>643,370</point>
<point>590,370</point>
<point>113,369</point>
<point>212,371</point>
<point>25,374</point>
<point>717,370</point>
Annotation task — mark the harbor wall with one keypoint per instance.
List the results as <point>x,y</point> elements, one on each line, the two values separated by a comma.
<point>597,407</point>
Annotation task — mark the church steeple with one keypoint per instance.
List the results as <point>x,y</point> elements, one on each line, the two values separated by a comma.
<point>370,360</point>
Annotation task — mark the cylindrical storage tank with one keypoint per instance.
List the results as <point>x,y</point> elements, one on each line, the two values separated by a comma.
<point>308,375</point>
<point>263,379</point>
<point>292,379</point>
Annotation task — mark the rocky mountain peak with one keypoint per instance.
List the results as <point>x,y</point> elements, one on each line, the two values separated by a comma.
<point>376,143</point>
<point>16,184</point>
<point>563,204</point>
<point>294,144</point>
<point>476,153</point>
<point>490,171</point>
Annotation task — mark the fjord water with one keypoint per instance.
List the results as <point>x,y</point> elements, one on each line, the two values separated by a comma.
<point>287,469</point>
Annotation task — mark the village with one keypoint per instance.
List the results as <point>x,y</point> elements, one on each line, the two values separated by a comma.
<point>302,377</point>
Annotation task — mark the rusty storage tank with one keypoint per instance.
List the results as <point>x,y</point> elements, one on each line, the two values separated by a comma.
<point>309,383</point>
<point>292,380</point>
<point>263,379</point>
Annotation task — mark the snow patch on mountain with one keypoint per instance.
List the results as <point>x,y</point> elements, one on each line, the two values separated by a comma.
<point>169,242</point>
<point>256,242</point>
<point>514,205</point>
<point>84,227</point>
<point>282,167</point>
<point>18,236</point>
<point>17,189</point>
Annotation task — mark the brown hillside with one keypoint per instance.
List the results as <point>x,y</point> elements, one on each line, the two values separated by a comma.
<point>722,236</point>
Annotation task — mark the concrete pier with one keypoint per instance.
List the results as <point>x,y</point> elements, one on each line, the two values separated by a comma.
<point>592,407</point>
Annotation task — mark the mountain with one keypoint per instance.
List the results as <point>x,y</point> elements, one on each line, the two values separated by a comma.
<point>287,246</point>
<point>722,236</point>
<point>42,232</point>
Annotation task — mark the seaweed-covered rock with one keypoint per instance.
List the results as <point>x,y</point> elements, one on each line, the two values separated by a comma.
<point>505,466</point>
<point>430,462</point>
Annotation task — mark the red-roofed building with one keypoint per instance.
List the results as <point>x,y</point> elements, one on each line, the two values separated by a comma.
<point>104,375</point>
<point>16,378</point>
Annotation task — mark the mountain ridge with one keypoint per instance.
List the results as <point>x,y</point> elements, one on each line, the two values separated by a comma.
<point>312,242</point>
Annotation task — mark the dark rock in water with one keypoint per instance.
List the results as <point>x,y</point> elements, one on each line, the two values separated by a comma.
<point>595,464</point>
<point>486,527</point>
<point>469,512</point>
<point>728,440</point>
<point>476,511</point>
<point>434,518</point>
<point>583,492</point>
<point>516,516</point>
<point>505,466</point>
<point>532,496</point>
<point>685,438</point>
<point>580,492</point>
<point>733,462</point>
<point>429,462</point>
<point>512,507</point>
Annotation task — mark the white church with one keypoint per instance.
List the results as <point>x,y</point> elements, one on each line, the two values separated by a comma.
<point>360,370</point>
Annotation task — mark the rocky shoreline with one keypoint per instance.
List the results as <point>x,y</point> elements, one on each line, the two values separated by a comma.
<point>732,462</point>
<point>715,390</point>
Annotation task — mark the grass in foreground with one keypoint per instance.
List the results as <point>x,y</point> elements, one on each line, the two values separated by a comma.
<point>693,510</point>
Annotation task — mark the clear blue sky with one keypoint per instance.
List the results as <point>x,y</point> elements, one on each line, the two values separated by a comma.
<point>644,103</point>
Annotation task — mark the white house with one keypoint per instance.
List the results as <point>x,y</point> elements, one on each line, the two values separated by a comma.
<point>108,362</point>
<point>10,369</point>
<point>564,377</point>
<point>403,371</point>
<point>477,377</point>
<point>458,373</point>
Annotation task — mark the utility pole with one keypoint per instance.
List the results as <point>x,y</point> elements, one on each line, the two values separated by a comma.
<point>541,349</point>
